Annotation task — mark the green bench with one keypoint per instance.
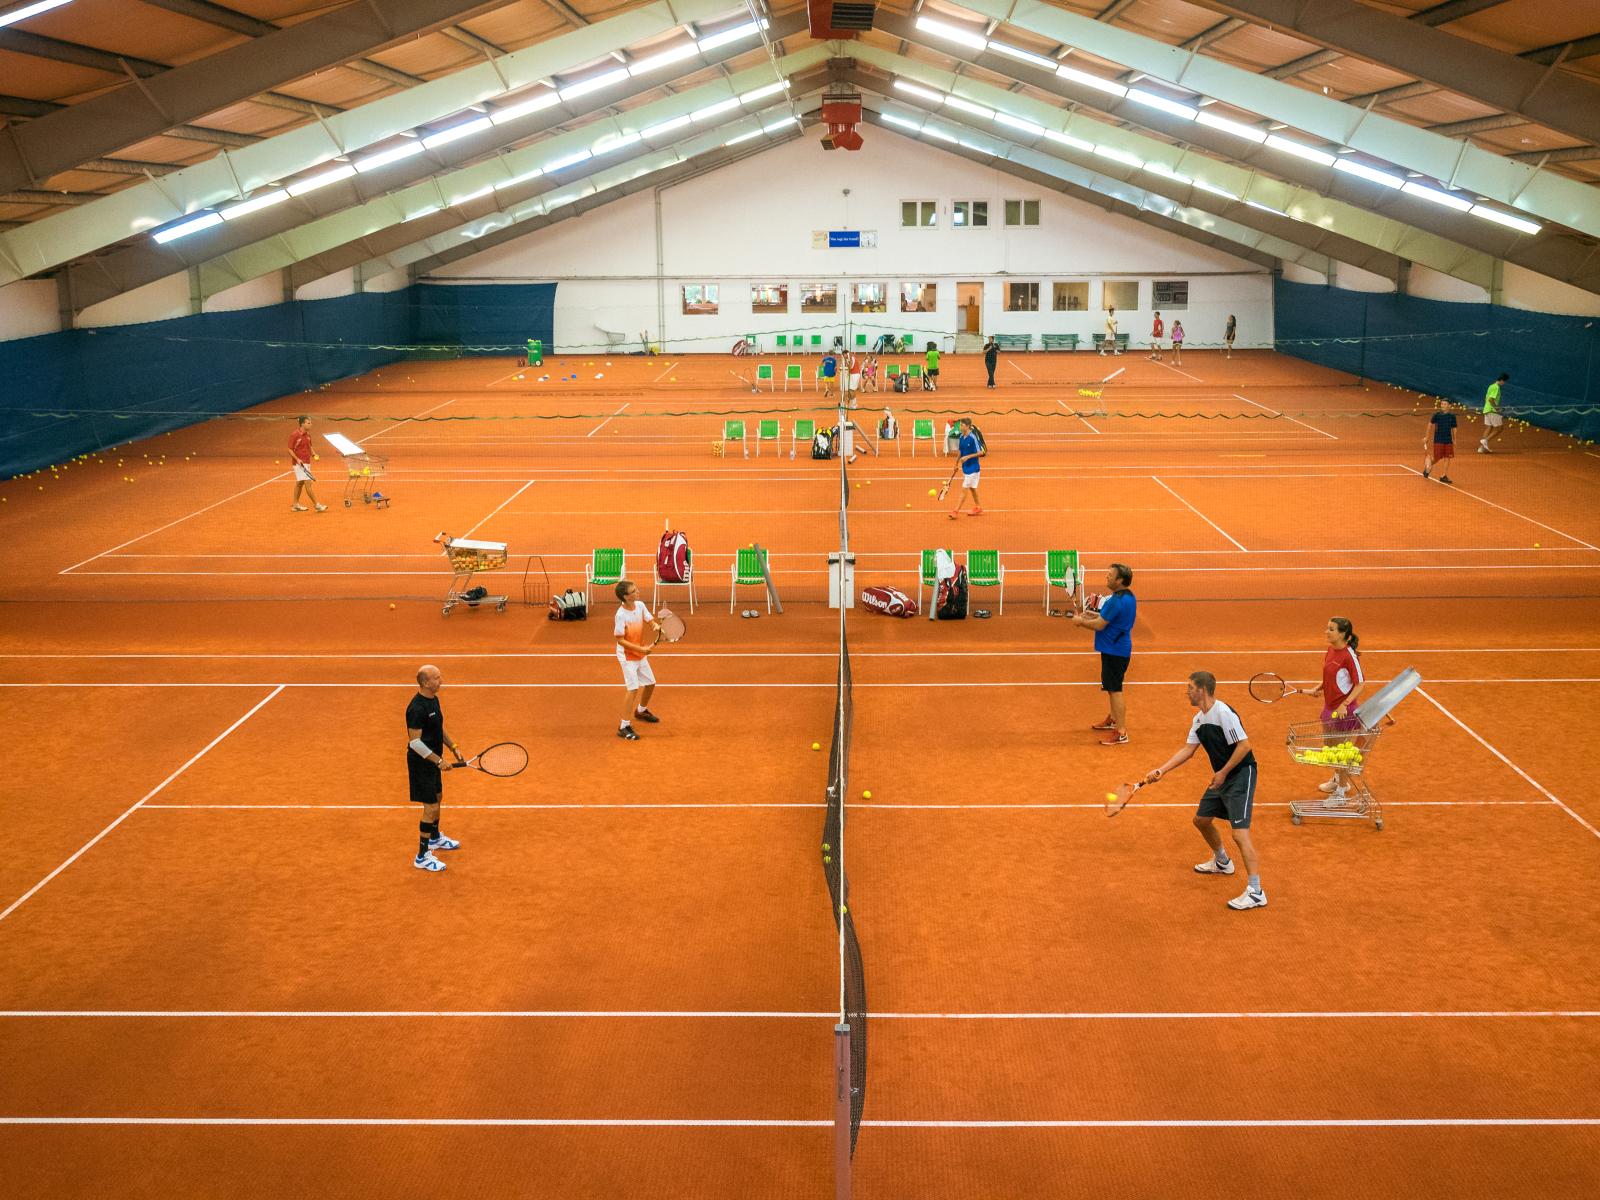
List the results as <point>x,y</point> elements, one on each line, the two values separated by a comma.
<point>1060,341</point>
<point>1122,341</point>
<point>1014,341</point>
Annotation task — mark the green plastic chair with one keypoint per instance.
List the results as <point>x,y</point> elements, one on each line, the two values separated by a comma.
<point>921,431</point>
<point>928,577</point>
<point>733,431</point>
<point>754,342</point>
<point>766,431</point>
<point>764,375</point>
<point>816,343</point>
<point>687,582</point>
<point>861,341</point>
<point>1061,571</point>
<point>984,569</point>
<point>783,341</point>
<point>805,431</point>
<point>905,344</point>
<point>747,572</point>
<point>791,374</point>
<point>915,370</point>
<point>893,370</point>
<point>607,566</point>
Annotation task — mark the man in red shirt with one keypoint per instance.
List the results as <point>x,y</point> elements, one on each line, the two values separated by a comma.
<point>1156,330</point>
<point>300,455</point>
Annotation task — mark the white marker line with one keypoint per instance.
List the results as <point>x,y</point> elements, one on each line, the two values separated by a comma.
<point>519,371</point>
<point>779,1123</point>
<point>1203,517</point>
<point>1065,407</point>
<point>155,791</point>
<point>606,422</point>
<point>1242,1123</point>
<point>905,684</point>
<point>670,368</point>
<point>1094,806</point>
<point>938,652</point>
<point>1179,370</point>
<point>1286,417</point>
<point>1554,799</point>
<point>1013,363</point>
<point>671,1014</point>
<point>1511,512</point>
<point>498,507</point>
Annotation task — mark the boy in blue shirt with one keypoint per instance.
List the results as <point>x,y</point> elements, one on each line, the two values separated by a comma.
<point>971,449</point>
<point>1113,638</point>
<point>830,370</point>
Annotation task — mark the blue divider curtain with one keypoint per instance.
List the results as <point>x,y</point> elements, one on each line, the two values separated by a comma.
<point>1450,349</point>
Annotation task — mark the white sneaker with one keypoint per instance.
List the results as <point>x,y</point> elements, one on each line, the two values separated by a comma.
<point>1248,899</point>
<point>1330,785</point>
<point>298,508</point>
<point>1212,867</point>
<point>443,843</point>
<point>427,862</point>
<point>322,508</point>
<point>1337,798</point>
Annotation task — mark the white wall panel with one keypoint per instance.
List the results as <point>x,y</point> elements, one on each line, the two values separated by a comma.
<point>28,308</point>
<point>158,301</point>
<point>254,293</point>
<point>1521,288</point>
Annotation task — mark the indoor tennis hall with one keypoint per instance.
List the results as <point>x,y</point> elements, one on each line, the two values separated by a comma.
<point>343,339</point>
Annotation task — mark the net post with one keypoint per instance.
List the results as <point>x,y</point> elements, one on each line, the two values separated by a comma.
<point>841,1111</point>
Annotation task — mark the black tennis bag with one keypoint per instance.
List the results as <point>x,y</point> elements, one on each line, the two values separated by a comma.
<point>822,444</point>
<point>570,605</point>
<point>902,382</point>
<point>950,602</point>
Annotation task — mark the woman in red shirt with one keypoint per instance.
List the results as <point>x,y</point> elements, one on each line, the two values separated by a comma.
<point>1341,686</point>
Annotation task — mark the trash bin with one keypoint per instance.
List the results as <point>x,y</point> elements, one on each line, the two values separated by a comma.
<point>841,580</point>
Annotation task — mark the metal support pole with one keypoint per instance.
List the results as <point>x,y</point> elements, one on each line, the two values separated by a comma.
<point>661,281</point>
<point>841,1111</point>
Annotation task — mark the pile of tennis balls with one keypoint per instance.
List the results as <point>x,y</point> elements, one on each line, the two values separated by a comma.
<point>1344,754</point>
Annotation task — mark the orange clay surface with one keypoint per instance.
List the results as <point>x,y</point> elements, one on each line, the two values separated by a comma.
<point>223,977</point>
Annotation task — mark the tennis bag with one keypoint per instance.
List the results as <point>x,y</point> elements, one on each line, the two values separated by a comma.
<point>888,428</point>
<point>951,598</point>
<point>672,558</point>
<point>902,382</point>
<point>570,605</point>
<point>889,601</point>
<point>822,444</point>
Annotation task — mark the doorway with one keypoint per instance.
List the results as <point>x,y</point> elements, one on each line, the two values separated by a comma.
<point>969,301</point>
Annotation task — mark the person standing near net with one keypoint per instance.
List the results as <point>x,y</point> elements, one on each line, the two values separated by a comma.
<point>300,454</point>
<point>1439,446</point>
<point>1231,793</point>
<point>634,655</point>
<point>1342,684</point>
<point>829,370</point>
<point>1110,342</point>
<point>991,357</point>
<point>1156,332</point>
<point>1230,333</point>
<point>426,740</point>
<point>1113,638</point>
<point>1493,420</point>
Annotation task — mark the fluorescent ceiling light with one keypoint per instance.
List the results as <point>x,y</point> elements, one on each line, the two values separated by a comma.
<point>1156,168</point>
<point>523,178</point>
<point>1066,139</point>
<point>743,137</point>
<point>192,225</point>
<point>711,110</point>
<point>1167,106</point>
<point>320,181</point>
<point>1277,212</point>
<point>738,32</point>
<point>1094,81</point>
<point>477,195</point>
<point>903,122</point>
<point>1214,189</point>
<point>1301,150</point>
<point>921,93</point>
<point>31,10</point>
<point>667,126</point>
<point>761,93</point>
<point>384,157</point>
<point>1438,197</point>
<point>780,123</point>
<point>511,112</point>
<point>952,33</point>
<point>1237,128</point>
<point>456,132</point>
<point>968,106</point>
<point>551,168</point>
<point>1506,219</point>
<point>655,61</point>
<point>422,212</point>
<point>1027,56</point>
<point>1121,156</point>
<point>1351,167</point>
<point>594,83</point>
<point>930,131</point>
<point>1019,123</point>
<point>255,204</point>
<point>615,141</point>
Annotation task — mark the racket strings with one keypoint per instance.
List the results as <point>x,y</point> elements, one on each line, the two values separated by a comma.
<point>507,758</point>
<point>1267,687</point>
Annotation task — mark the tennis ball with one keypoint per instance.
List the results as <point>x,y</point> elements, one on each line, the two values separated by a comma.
<point>908,506</point>
<point>1536,545</point>
<point>1111,797</point>
<point>816,745</point>
<point>391,608</point>
<point>866,795</point>
<point>933,491</point>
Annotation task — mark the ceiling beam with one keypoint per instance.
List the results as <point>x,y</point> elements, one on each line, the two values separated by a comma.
<point>170,97</point>
<point>216,14</point>
<point>1439,14</point>
<point>567,13</point>
<point>57,199</point>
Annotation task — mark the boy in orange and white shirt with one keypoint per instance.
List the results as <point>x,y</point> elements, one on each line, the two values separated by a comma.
<point>628,628</point>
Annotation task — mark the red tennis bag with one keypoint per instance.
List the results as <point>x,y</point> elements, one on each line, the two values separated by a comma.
<point>891,602</point>
<point>672,559</point>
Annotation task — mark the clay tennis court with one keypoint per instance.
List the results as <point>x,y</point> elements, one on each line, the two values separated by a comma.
<point>224,978</point>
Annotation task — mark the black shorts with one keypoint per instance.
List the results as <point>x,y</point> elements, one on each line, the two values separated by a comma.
<point>426,786</point>
<point>1112,668</point>
<point>1235,799</point>
<point>934,371</point>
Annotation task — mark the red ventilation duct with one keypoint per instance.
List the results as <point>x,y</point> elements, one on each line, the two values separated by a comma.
<point>842,114</point>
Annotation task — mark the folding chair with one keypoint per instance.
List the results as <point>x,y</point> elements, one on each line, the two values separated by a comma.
<point>783,343</point>
<point>764,374</point>
<point>984,569</point>
<point>752,343</point>
<point>1061,571</point>
<point>607,567</point>
<point>816,343</point>
<point>791,374</point>
<point>733,431</point>
<point>922,431</point>
<point>747,572</point>
<point>687,582</point>
<point>928,577</point>
<point>892,370</point>
<point>805,433</point>
<point>766,431</point>
<point>861,341</point>
<point>915,371</point>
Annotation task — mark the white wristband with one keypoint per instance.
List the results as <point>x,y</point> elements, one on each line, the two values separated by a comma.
<point>420,747</point>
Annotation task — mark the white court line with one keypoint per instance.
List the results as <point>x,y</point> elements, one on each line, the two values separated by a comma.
<point>1065,407</point>
<point>671,367</point>
<point>1509,511</point>
<point>820,572</point>
<point>1237,1123</point>
<point>155,791</point>
<point>758,1123</point>
<point>938,652</point>
<point>1179,370</point>
<point>912,683</point>
<point>1554,799</point>
<point>607,421</point>
<point>1094,807</point>
<point>1013,363</point>
<point>1203,517</point>
<point>1262,555</point>
<point>498,507</point>
<point>1286,417</point>
<point>519,371</point>
<point>671,1014</point>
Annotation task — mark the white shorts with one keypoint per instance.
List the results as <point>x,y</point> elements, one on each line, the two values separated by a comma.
<point>1492,420</point>
<point>970,481</point>
<point>637,673</point>
<point>302,473</point>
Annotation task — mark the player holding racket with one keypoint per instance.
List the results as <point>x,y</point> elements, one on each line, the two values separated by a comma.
<point>1342,684</point>
<point>1216,728</point>
<point>633,652</point>
<point>971,449</point>
<point>1113,638</point>
<point>426,740</point>
<point>300,455</point>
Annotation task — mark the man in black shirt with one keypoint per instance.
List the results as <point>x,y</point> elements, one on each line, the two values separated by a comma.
<point>426,740</point>
<point>1232,790</point>
<point>1440,444</point>
<point>991,356</point>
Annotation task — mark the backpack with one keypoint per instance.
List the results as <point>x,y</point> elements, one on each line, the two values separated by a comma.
<point>672,558</point>
<point>902,382</point>
<point>927,382</point>
<point>889,601</point>
<point>950,601</point>
<point>822,444</point>
<point>569,606</point>
<point>888,428</point>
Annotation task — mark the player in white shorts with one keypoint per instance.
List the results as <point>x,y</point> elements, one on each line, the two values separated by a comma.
<point>634,654</point>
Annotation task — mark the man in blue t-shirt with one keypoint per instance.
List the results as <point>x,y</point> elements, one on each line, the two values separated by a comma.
<point>1113,638</point>
<point>829,371</point>
<point>971,448</point>
<point>1440,444</point>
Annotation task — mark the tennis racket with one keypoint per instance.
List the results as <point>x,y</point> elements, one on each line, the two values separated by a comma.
<point>1118,800</point>
<point>1269,688</point>
<point>503,760</point>
<point>945,490</point>
<point>669,627</point>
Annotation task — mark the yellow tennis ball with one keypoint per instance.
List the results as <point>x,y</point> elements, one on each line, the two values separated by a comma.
<point>391,608</point>
<point>816,745</point>
<point>1536,545</point>
<point>866,795</point>
<point>933,491</point>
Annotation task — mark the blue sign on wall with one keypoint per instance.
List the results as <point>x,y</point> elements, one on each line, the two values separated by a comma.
<point>850,238</point>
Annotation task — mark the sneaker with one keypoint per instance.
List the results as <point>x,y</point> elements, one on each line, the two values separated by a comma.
<point>1212,867</point>
<point>1444,479</point>
<point>1248,899</point>
<point>443,843</point>
<point>1425,472</point>
<point>955,514</point>
<point>427,862</point>
<point>298,508</point>
<point>1114,739</point>
<point>644,714</point>
<point>1482,449</point>
<point>322,508</point>
<point>1337,798</point>
<point>626,733</point>
<point>977,512</point>
<point>1329,785</point>
<point>1103,726</point>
